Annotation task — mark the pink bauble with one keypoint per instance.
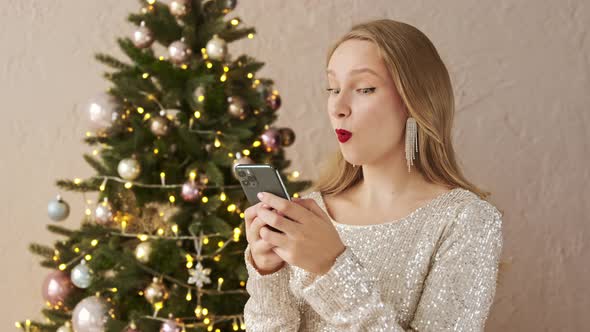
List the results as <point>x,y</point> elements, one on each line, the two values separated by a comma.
<point>190,191</point>
<point>169,326</point>
<point>271,139</point>
<point>56,287</point>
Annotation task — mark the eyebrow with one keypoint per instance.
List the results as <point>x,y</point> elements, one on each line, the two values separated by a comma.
<point>357,71</point>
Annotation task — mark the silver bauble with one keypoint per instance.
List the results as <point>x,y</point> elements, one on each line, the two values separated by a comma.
<point>156,292</point>
<point>179,52</point>
<point>143,36</point>
<point>179,8</point>
<point>170,325</point>
<point>216,48</point>
<point>143,252</point>
<point>102,113</point>
<point>90,315</point>
<point>160,126</point>
<point>103,214</point>
<point>58,209</point>
<point>237,106</point>
<point>81,275</point>
<point>129,169</point>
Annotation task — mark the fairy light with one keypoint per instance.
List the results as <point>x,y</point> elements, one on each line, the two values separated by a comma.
<point>94,242</point>
<point>225,69</point>
<point>88,257</point>
<point>147,116</point>
<point>156,150</point>
<point>296,195</point>
<point>160,231</point>
<point>103,184</point>
<point>161,58</point>
<point>140,110</point>
<point>198,311</point>
<point>250,36</point>
<point>94,152</point>
<point>76,250</point>
<point>88,134</point>
<point>205,240</point>
<point>231,208</point>
<point>204,199</point>
<point>189,295</point>
<point>62,266</point>
<point>220,244</point>
<point>77,181</point>
<point>87,212</point>
<point>184,66</point>
<point>206,321</point>
<point>189,261</point>
<point>151,2</point>
<point>142,237</point>
<point>123,225</point>
<point>242,215</point>
<point>246,152</point>
<point>145,75</point>
<point>256,144</point>
<point>197,114</point>
<point>235,325</point>
<point>172,199</point>
<point>209,65</point>
<point>295,174</point>
<point>217,258</point>
<point>222,197</point>
<point>219,283</point>
<point>217,143</point>
<point>223,78</point>
<point>128,185</point>
<point>175,229</point>
<point>235,22</point>
<point>163,178</point>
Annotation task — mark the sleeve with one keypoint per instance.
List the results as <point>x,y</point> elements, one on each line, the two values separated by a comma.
<point>457,292</point>
<point>271,306</point>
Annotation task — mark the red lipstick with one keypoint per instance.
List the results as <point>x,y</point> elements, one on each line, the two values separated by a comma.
<point>343,135</point>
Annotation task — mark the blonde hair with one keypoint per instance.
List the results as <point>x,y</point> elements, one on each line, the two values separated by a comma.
<point>423,83</point>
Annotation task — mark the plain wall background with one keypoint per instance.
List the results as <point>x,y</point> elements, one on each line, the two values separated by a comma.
<point>521,74</point>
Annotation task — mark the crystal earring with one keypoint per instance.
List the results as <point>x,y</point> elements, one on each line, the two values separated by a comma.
<point>411,141</point>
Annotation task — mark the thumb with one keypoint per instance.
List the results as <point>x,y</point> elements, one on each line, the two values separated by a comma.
<point>312,205</point>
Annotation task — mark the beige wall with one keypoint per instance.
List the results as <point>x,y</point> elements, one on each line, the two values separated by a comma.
<point>521,75</point>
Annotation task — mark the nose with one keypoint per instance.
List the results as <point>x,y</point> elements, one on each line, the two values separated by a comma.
<point>340,109</point>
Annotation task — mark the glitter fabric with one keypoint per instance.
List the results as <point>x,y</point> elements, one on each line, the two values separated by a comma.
<point>433,270</point>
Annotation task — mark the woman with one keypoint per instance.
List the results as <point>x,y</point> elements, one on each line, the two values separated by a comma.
<point>392,237</point>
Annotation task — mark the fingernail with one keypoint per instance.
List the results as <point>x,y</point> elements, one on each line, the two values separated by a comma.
<point>259,195</point>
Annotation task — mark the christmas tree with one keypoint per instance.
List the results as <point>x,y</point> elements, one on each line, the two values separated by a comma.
<point>161,248</point>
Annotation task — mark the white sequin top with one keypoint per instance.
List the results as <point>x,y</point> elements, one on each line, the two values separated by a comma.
<point>433,270</point>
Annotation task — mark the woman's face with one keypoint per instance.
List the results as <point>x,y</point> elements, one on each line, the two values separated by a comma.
<point>364,103</point>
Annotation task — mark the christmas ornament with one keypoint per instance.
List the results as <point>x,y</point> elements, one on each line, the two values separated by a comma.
<point>56,287</point>
<point>143,252</point>
<point>199,276</point>
<point>191,191</point>
<point>170,325</point>
<point>179,8</point>
<point>287,136</point>
<point>67,327</point>
<point>58,209</point>
<point>173,115</point>
<point>155,216</point>
<point>179,51</point>
<point>143,36</point>
<point>229,5</point>
<point>273,101</point>
<point>156,292</point>
<point>160,126</point>
<point>271,139</point>
<point>102,113</point>
<point>81,275</point>
<point>199,94</point>
<point>131,328</point>
<point>237,106</point>
<point>90,315</point>
<point>216,48</point>
<point>264,90</point>
<point>103,214</point>
<point>129,168</point>
<point>148,9</point>
<point>203,179</point>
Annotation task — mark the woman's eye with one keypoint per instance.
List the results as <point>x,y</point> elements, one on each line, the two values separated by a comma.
<point>363,90</point>
<point>330,90</point>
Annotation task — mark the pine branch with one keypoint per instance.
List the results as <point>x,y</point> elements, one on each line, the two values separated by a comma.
<point>60,230</point>
<point>111,61</point>
<point>92,184</point>
<point>56,316</point>
<point>41,250</point>
<point>96,164</point>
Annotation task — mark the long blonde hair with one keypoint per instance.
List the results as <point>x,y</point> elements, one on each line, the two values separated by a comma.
<point>423,83</point>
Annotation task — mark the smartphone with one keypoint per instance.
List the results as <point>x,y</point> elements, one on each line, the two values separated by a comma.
<point>255,178</point>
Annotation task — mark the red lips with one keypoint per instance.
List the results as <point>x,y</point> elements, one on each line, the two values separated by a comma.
<point>343,135</point>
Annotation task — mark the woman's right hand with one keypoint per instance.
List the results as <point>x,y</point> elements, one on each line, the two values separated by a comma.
<point>265,260</point>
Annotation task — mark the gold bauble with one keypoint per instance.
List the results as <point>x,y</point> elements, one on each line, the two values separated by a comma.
<point>156,292</point>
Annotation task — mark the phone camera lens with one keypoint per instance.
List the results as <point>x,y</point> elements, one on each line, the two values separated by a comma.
<point>241,174</point>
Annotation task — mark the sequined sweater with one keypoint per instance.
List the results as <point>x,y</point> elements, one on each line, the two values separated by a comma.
<point>433,270</point>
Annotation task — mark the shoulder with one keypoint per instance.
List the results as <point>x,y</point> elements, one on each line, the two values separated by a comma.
<point>473,215</point>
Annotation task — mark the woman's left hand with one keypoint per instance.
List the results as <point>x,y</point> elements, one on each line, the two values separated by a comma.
<point>309,239</point>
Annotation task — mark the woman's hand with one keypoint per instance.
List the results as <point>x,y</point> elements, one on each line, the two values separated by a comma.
<point>309,240</point>
<point>265,260</point>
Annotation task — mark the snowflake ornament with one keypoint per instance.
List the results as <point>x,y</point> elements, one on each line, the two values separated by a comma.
<point>199,276</point>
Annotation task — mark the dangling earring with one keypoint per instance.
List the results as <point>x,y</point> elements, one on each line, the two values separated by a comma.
<point>411,141</point>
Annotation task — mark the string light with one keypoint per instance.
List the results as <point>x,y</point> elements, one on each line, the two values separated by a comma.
<point>204,199</point>
<point>209,65</point>
<point>250,75</point>
<point>235,22</point>
<point>250,36</point>
<point>223,78</point>
<point>217,143</point>
<point>140,110</point>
